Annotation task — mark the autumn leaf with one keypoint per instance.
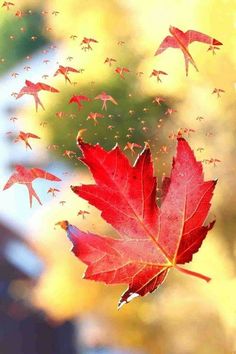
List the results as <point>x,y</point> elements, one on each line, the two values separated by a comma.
<point>151,240</point>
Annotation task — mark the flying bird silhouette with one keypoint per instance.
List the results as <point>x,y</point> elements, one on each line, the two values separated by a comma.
<point>94,115</point>
<point>182,40</point>
<point>109,61</point>
<point>157,73</point>
<point>69,153</point>
<point>86,43</point>
<point>218,92</point>
<point>131,146</point>
<point>77,99</point>
<point>53,191</point>
<point>7,4</point>
<point>25,137</point>
<point>27,176</point>
<point>64,70</point>
<point>82,212</point>
<point>158,100</point>
<point>121,71</point>
<point>105,97</point>
<point>33,89</point>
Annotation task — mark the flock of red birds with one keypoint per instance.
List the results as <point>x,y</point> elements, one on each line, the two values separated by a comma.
<point>177,39</point>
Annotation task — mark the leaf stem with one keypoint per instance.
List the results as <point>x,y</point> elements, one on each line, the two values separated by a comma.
<point>195,274</point>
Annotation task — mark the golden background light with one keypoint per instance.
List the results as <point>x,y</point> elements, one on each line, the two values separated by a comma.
<point>185,314</point>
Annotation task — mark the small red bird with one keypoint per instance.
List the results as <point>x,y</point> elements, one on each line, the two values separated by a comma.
<point>121,71</point>
<point>27,176</point>
<point>104,97</point>
<point>218,91</point>
<point>157,73</point>
<point>212,160</point>
<point>182,40</point>
<point>139,73</point>
<point>131,146</point>
<point>121,43</point>
<point>69,153</point>
<point>109,61</point>
<point>170,111</point>
<point>64,70</point>
<point>25,137</point>
<point>82,212</point>
<point>86,43</point>
<point>158,100</point>
<point>53,191</point>
<point>14,74</point>
<point>77,99</point>
<point>94,115</point>
<point>213,49</point>
<point>7,4</point>
<point>32,89</point>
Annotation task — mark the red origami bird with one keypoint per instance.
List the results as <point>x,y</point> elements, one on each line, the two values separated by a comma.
<point>170,111</point>
<point>121,71</point>
<point>24,137</point>
<point>104,97</point>
<point>77,99</point>
<point>69,153</point>
<point>27,176</point>
<point>158,100</point>
<point>157,73</point>
<point>86,43</point>
<point>64,70</point>
<point>218,91</point>
<point>82,212</point>
<point>131,146</point>
<point>7,4</point>
<point>109,61</point>
<point>94,115</point>
<point>182,40</point>
<point>53,191</point>
<point>32,89</point>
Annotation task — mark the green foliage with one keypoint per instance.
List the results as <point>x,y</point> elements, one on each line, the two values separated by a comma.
<point>131,112</point>
<point>12,51</point>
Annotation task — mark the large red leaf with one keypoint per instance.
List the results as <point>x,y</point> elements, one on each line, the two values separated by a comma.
<point>151,240</point>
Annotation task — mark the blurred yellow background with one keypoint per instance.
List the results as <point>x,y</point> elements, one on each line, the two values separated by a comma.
<point>186,316</point>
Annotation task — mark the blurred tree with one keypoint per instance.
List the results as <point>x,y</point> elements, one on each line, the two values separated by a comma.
<point>185,317</point>
<point>20,37</point>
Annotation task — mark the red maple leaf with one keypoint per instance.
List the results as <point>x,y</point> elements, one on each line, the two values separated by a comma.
<point>152,240</point>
